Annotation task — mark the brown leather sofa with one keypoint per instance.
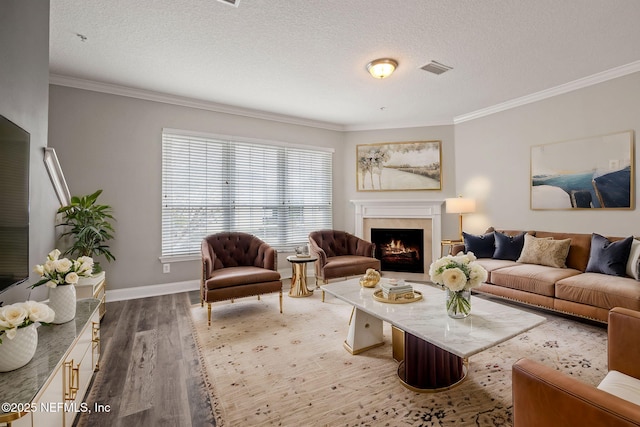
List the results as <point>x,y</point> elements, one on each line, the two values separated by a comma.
<point>543,396</point>
<point>341,254</point>
<point>568,290</point>
<point>236,265</point>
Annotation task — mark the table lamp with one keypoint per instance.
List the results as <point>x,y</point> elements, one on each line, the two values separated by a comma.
<point>460,206</point>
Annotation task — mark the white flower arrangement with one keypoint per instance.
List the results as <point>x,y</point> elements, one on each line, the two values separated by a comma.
<point>62,271</point>
<point>21,315</point>
<point>458,272</point>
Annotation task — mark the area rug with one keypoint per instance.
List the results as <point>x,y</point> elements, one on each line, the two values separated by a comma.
<point>291,369</point>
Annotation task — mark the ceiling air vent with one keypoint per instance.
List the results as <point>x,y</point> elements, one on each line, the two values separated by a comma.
<point>436,67</point>
<point>230,2</point>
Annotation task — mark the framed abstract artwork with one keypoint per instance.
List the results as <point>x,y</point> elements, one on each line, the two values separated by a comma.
<point>399,166</point>
<point>588,173</point>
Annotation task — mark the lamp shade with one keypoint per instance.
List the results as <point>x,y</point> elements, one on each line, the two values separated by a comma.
<point>381,68</point>
<point>460,205</point>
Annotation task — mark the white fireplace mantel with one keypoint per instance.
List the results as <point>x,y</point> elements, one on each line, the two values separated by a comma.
<point>402,208</point>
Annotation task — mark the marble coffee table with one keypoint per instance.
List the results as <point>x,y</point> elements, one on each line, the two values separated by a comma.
<point>436,347</point>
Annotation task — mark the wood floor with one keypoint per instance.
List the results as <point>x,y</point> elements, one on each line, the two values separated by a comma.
<point>150,373</point>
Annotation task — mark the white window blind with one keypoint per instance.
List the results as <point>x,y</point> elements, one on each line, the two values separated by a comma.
<point>277,192</point>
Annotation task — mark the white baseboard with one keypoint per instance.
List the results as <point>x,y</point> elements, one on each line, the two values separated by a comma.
<point>152,290</point>
<point>170,288</point>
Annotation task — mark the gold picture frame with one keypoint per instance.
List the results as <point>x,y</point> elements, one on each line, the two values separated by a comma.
<point>588,173</point>
<point>399,166</point>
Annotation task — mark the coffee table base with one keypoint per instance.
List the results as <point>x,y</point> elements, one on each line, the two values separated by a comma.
<point>365,332</point>
<point>428,368</point>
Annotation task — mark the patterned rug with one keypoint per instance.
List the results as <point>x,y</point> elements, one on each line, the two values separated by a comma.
<point>267,368</point>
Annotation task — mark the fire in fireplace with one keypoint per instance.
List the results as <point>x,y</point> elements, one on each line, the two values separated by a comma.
<point>399,249</point>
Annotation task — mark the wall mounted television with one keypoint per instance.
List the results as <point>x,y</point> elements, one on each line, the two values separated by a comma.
<point>14,204</point>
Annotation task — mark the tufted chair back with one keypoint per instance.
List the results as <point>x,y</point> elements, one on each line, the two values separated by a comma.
<point>236,249</point>
<point>339,243</point>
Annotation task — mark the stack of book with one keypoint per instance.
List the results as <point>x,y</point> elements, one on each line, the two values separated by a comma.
<point>394,291</point>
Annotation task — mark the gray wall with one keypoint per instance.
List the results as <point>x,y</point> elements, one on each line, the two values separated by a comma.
<point>113,143</point>
<point>442,133</point>
<point>24,89</point>
<point>493,155</point>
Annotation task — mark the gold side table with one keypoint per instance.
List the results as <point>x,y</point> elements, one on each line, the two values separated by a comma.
<point>299,276</point>
<point>450,244</point>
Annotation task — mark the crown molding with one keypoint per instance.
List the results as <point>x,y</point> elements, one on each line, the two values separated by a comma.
<point>355,128</point>
<point>594,79</point>
<point>74,82</point>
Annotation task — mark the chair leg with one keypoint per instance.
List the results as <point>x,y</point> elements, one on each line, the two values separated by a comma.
<point>280,301</point>
<point>208,314</point>
<point>258,297</point>
<point>323,296</point>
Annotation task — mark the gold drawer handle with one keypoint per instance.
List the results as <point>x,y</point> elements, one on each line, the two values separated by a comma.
<point>95,346</point>
<point>72,380</point>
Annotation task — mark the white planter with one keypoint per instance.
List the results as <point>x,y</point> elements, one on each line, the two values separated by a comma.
<point>20,350</point>
<point>62,300</point>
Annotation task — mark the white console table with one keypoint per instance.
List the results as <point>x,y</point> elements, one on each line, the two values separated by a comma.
<point>52,386</point>
<point>93,287</point>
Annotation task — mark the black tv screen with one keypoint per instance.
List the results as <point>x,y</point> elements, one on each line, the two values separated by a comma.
<point>14,204</point>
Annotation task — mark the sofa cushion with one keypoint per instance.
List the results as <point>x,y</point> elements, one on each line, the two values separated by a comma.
<point>538,279</point>
<point>544,251</point>
<point>508,247</point>
<point>633,266</point>
<point>621,385</point>
<point>609,257</point>
<point>600,290</point>
<point>490,264</point>
<point>482,246</point>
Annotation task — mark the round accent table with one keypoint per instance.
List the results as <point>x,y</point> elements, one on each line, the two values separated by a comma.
<point>299,276</point>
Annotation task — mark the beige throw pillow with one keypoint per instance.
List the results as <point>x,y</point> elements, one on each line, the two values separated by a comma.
<point>552,253</point>
<point>634,258</point>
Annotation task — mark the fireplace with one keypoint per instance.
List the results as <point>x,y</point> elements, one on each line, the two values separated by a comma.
<point>416,214</point>
<point>399,249</point>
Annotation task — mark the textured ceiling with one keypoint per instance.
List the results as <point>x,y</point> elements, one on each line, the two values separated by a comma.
<point>307,58</point>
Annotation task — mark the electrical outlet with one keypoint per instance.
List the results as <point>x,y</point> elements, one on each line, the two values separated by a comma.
<point>166,268</point>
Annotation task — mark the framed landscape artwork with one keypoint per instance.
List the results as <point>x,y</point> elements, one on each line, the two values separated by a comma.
<point>398,166</point>
<point>589,173</point>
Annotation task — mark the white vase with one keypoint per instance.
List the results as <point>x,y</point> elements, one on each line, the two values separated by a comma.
<point>19,351</point>
<point>62,300</point>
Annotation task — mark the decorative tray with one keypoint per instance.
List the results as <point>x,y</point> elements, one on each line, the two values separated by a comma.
<point>402,299</point>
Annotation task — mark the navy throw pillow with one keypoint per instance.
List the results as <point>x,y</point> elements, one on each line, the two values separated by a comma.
<point>609,257</point>
<point>482,246</point>
<point>508,247</point>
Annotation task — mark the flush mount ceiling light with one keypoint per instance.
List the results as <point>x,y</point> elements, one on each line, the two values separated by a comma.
<point>381,68</point>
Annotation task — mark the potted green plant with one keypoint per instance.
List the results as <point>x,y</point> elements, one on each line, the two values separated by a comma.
<point>88,224</point>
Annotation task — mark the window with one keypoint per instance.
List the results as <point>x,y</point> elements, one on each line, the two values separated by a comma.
<point>212,184</point>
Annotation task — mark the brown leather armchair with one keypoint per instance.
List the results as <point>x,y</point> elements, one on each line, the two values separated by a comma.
<point>341,254</point>
<point>543,396</point>
<point>236,265</point>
